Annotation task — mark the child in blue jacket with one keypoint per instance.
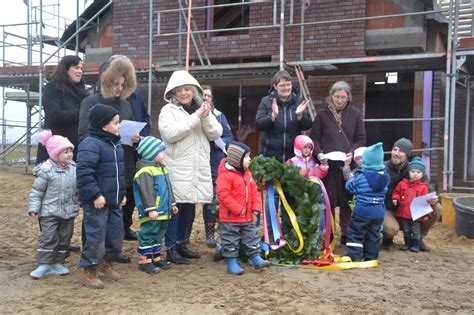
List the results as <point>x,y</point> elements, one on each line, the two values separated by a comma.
<point>101,187</point>
<point>154,200</point>
<point>369,186</point>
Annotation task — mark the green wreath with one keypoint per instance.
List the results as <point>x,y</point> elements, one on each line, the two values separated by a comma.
<point>305,199</point>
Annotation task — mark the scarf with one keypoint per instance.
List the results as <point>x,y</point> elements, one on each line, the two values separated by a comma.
<point>190,108</point>
<point>336,113</point>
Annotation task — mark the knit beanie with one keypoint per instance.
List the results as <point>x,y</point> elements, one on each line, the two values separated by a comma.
<point>236,153</point>
<point>149,147</point>
<point>54,144</point>
<point>100,115</point>
<point>372,158</point>
<point>404,145</point>
<point>359,151</point>
<point>417,164</point>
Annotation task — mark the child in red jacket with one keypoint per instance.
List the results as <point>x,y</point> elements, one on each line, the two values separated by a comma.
<point>239,204</point>
<point>403,196</point>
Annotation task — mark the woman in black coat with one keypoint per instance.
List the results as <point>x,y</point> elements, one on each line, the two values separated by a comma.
<point>61,100</point>
<point>281,115</point>
<point>338,127</point>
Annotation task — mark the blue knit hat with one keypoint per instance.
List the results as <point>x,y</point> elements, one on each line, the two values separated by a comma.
<point>372,158</point>
<point>417,164</point>
<point>149,147</point>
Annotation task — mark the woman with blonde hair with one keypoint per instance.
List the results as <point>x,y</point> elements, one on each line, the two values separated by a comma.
<point>186,126</point>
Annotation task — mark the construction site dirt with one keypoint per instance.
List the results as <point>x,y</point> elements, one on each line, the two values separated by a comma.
<point>440,281</point>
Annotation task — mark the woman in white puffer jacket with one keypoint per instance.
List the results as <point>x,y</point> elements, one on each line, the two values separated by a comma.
<point>186,126</point>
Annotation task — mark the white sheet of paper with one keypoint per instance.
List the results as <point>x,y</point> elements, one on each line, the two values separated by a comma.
<point>221,144</point>
<point>420,207</point>
<point>129,128</point>
<point>335,156</point>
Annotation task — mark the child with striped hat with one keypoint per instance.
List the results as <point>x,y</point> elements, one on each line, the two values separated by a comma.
<point>154,201</point>
<point>239,203</point>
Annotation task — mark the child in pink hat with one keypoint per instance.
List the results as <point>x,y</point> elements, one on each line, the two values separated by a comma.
<point>54,204</point>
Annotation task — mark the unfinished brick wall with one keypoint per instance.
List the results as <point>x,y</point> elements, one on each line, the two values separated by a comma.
<point>321,41</point>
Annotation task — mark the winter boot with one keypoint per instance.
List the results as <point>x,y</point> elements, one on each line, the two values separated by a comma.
<point>407,244</point>
<point>174,257</point>
<point>90,278</point>
<point>387,243</point>
<point>160,263</point>
<point>210,239</point>
<point>415,246</point>
<point>59,270</point>
<point>146,264</point>
<point>41,271</point>
<point>259,263</point>
<point>108,271</point>
<point>185,252</point>
<point>233,267</point>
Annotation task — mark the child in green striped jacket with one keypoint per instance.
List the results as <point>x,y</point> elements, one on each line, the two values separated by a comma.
<point>154,201</point>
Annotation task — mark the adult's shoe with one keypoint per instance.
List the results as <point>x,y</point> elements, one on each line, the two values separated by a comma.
<point>130,235</point>
<point>122,259</point>
<point>185,252</point>
<point>174,257</point>
<point>90,278</point>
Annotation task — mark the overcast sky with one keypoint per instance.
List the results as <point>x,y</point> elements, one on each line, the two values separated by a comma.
<point>15,12</point>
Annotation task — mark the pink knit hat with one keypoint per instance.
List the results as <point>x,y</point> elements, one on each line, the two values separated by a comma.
<point>54,144</point>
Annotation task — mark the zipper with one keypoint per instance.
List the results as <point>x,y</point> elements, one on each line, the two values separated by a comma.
<point>246,196</point>
<point>116,172</point>
<point>284,133</point>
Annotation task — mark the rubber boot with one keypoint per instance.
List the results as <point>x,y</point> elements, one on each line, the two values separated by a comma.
<point>185,252</point>
<point>145,264</point>
<point>259,263</point>
<point>174,257</point>
<point>106,268</point>
<point>233,267</point>
<point>407,244</point>
<point>210,229</point>
<point>90,278</point>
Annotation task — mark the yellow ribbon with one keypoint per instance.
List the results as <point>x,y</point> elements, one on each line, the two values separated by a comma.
<point>342,263</point>
<point>292,216</point>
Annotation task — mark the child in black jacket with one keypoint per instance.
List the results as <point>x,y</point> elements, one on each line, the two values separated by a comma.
<point>101,187</point>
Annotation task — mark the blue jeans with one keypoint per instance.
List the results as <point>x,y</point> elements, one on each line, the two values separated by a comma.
<point>179,223</point>
<point>103,234</point>
<point>363,238</point>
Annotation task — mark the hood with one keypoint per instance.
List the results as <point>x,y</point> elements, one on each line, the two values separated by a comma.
<point>377,180</point>
<point>300,142</point>
<point>111,71</point>
<point>180,78</point>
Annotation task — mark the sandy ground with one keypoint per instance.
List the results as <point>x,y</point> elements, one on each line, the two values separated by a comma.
<point>438,282</point>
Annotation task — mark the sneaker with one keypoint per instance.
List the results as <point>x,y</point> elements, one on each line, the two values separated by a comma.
<point>424,247</point>
<point>41,271</point>
<point>59,270</point>
<point>108,271</point>
<point>90,279</point>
